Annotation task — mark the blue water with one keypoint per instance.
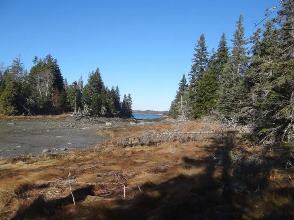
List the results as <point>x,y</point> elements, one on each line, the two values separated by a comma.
<point>146,116</point>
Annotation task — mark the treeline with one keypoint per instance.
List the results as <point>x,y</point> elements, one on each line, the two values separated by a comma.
<point>44,91</point>
<point>252,83</point>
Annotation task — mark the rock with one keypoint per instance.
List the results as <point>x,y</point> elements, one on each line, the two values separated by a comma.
<point>44,151</point>
<point>108,123</point>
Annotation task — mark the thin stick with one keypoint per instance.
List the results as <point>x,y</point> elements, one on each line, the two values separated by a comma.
<point>124,191</point>
<point>73,198</point>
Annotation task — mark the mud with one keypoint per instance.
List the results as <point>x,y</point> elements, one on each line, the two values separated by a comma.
<point>22,137</point>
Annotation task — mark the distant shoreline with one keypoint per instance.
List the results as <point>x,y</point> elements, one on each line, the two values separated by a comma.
<point>153,112</point>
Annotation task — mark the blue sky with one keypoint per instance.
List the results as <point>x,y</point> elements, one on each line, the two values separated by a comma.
<point>143,46</point>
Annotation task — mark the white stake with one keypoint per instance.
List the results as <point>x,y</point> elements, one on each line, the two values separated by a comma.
<point>73,198</point>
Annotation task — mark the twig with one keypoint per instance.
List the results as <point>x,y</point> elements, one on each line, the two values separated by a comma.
<point>124,191</point>
<point>73,198</point>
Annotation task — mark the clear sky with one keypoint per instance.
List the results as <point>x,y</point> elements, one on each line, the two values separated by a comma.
<point>143,46</point>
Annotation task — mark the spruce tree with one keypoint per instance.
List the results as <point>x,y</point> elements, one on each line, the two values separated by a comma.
<point>285,19</point>
<point>222,57</point>
<point>207,86</point>
<point>126,111</point>
<point>200,60</point>
<point>14,90</point>
<point>10,97</point>
<point>180,100</point>
<point>199,66</point>
<point>232,90</point>
<point>206,94</point>
<point>73,97</point>
<point>116,100</point>
<point>94,93</point>
<point>273,92</point>
<point>47,86</point>
<point>16,70</point>
<point>58,93</point>
<point>271,80</point>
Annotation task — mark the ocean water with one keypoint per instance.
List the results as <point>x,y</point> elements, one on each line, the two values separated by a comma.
<point>146,116</point>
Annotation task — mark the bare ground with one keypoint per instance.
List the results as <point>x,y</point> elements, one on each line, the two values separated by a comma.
<point>210,175</point>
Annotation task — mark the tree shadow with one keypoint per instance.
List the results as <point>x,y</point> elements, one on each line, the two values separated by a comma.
<point>40,207</point>
<point>201,196</point>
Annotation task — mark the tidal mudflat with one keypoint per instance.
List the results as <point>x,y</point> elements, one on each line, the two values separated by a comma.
<point>37,136</point>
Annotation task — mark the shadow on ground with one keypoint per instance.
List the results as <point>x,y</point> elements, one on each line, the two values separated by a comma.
<point>231,187</point>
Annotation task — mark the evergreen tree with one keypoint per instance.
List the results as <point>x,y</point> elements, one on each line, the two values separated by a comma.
<point>206,94</point>
<point>232,90</point>
<point>117,103</point>
<point>180,100</point>
<point>1,78</point>
<point>208,85</point>
<point>222,57</point>
<point>16,70</point>
<point>94,93</point>
<point>272,91</point>
<point>10,96</point>
<point>205,90</point>
<point>200,60</point>
<point>48,86</point>
<point>199,66</point>
<point>74,97</point>
<point>13,90</point>
<point>126,111</point>
<point>285,19</point>
<point>115,98</point>
<point>239,58</point>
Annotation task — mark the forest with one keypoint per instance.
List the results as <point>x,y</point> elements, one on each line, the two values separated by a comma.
<point>43,90</point>
<point>251,83</point>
